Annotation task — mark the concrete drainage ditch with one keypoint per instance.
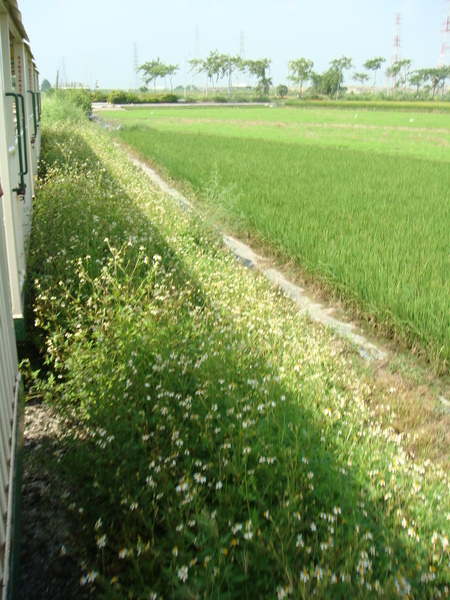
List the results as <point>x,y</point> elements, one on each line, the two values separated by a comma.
<point>316,311</point>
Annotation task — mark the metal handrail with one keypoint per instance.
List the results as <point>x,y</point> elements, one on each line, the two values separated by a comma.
<point>21,189</point>
<point>24,134</point>
<point>33,95</point>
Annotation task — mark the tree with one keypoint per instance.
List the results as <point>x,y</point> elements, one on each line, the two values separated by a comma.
<point>404,66</point>
<point>374,64</point>
<point>46,86</point>
<point>197,65</point>
<point>419,78</point>
<point>331,81</point>
<point>444,75</point>
<point>211,66</point>
<point>339,65</point>
<point>229,64</point>
<point>300,70</point>
<point>282,90</point>
<point>399,69</point>
<point>152,70</point>
<point>434,77</point>
<point>163,74</point>
<point>392,73</point>
<point>325,83</point>
<point>316,80</point>
<point>170,71</point>
<point>260,68</point>
<point>438,76</point>
<point>360,77</point>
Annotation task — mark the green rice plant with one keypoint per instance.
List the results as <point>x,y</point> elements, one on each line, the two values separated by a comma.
<point>352,102</point>
<point>374,227</point>
<point>217,443</point>
<point>418,134</point>
<point>372,116</point>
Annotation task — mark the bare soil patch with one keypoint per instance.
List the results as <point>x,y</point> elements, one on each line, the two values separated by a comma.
<point>49,568</point>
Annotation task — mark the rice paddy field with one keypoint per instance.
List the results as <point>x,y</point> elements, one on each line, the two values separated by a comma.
<point>360,198</point>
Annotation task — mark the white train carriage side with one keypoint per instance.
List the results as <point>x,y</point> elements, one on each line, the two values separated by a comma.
<point>20,136</point>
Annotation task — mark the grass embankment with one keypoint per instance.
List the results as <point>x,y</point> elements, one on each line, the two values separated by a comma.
<point>218,444</point>
<point>362,206</point>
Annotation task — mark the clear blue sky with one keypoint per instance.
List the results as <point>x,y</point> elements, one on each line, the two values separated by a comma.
<point>93,40</point>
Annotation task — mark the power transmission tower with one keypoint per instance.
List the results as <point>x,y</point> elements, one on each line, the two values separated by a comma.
<point>136,65</point>
<point>197,44</point>
<point>395,56</point>
<point>241,55</point>
<point>197,53</point>
<point>444,58</point>
<point>396,47</point>
<point>63,82</point>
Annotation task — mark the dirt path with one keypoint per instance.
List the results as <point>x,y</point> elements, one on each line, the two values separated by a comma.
<point>48,568</point>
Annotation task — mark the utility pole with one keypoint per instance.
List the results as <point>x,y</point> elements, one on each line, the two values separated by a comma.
<point>63,74</point>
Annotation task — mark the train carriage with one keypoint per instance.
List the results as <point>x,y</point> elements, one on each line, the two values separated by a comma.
<point>19,157</point>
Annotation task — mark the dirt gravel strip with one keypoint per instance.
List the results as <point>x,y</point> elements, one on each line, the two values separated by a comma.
<point>48,568</point>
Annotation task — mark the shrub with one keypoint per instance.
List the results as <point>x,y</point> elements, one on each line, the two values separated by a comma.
<point>118,97</point>
<point>282,91</point>
<point>168,98</point>
<point>65,105</point>
<point>99,96</point>
<point>123,97</point>
<point>81,98</point>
